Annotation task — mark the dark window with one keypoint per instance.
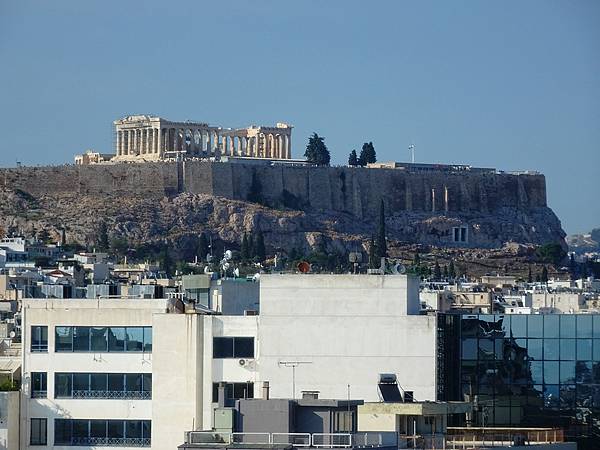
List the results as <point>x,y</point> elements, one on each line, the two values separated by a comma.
<point>81,339</point>
<point>38,432</point>
<point>133,382</point>
<point>233,347</point>
<point>81,381</point>
<point>234,391</point>
<point>567,326</point>
<point>147,339</point>
<point>222,347</point>
<point>63,385</point>
<point>98,428</point>
<point>38,384</point>
<point>147,382</point>
<point>116,429</point>
<point>62,431</point>
<point>64,339</point>
<point>39,338</point>
<point>98,382</point>
<point>116,382</point>
<point>99,339</point>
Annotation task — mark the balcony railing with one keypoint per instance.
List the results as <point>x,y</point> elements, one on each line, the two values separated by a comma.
<point>109,442</point>
<point>39,394</point>
<point>119,395</point>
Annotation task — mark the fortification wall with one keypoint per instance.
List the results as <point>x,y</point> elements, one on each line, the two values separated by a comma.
<point>353,190</point>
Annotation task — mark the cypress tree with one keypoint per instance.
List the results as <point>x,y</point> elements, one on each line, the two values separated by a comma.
<point>544,275</point>
<point>259,247</point>
<point>102,241</point>
<point>372,253</point>
<point>445,272</point>
<point>529,276</point>
<point>353,159</point>
<point>451,270</point>
<point>244,251</point>
<point>203,249</point>
<point>316,151</point>
<point>437,272</point>
<point>381,244</point>
<point>367,154</point>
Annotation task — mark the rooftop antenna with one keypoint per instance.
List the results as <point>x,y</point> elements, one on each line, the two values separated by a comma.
<point>411,148</point>
<point>293,365</point>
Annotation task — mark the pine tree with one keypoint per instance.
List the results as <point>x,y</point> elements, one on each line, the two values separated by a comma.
<point>244,251</point>
<point>353,159</point>
<point>203,249</point>
<point>367,154</point>
<point>102,241</point>
<point>259,247</point>
<point>451,270</point>
<point>381,244</point>
<point>544,275</point>
<point>437,272</point>
<point>445,272</point>
<point>316,151</point>
<point>63,237</point>
<point>417,259</point>
<point>529,276</point>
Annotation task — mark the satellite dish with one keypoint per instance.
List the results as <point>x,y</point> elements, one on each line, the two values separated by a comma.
<point>228,255</point>
<point>398,269</point>
<point>12,334</point>
<point>303,267</point>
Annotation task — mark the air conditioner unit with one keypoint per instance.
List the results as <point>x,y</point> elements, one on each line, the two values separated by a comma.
<point>243,362</point>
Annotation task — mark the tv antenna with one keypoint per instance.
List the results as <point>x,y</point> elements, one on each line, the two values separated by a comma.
<point>293,365</point>
<point>411,148</point>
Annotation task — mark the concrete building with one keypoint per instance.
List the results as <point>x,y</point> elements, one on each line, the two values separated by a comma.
<point>151,138</point>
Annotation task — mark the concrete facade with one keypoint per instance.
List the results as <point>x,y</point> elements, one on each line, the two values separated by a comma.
<point>9,420</point>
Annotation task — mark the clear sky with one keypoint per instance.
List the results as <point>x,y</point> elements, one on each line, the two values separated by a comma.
<point>512,84</point>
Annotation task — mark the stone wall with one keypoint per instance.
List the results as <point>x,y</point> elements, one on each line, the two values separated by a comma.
<point>356,191</point>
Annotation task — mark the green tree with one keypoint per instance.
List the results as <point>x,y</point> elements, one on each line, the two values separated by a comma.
<point>572,266</point>
<point>544,275</point>
<point>380,243</point>
<point>259,247</point>
<point>437,272</point>
<point>63,237</point>
<point>203,247</point>
<point>367,154</point>
<point>102,241</point>
<point>417,259</point>
<point>165,261</point>
<point>316,151</point>
<point>255,191</point>
<point>445,272</point>
<point>44,236</point>
<point>452,270</point>
<point>551,253</point>
<point>353,159</point>
<point>529,276</point>
<point>372,254</point>
<point>244,249</point>
<point>119,246</point>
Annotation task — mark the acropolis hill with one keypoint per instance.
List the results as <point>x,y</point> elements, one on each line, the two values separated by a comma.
<point>211,176</point>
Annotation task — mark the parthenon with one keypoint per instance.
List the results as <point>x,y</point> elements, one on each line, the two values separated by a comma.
<point>151,138</point>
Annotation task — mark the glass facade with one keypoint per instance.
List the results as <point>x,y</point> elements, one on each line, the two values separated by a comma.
<point>112,433</point>
<point>103,339</point>
<point>527,370</point>
<point>103,385</point>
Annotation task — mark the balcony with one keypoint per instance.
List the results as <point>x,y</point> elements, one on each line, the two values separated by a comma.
<point>108,442</point>
<point>113,395</point>
<point>39,394</point>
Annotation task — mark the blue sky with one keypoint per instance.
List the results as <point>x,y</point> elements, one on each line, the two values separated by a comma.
<point>513,85</point>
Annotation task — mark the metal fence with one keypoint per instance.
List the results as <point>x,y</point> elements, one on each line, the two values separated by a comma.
<point>123,395</point>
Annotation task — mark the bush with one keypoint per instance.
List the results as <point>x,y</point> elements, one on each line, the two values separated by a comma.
<point>551,253</point>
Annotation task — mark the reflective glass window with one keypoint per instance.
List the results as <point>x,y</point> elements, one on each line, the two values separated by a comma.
<point>535,349</point>
<point>551,394</point>
<point>469,326</point>
<point>62,432</point>
<point>39,338</point>
<point>81,339</point>
<point>488,327</point>
<point>567,372</point>
<point>147,382</point>
<point>133,429</point>
<point>583,372</point>
<point>63,339</point>
<point>551,326</point>
<point>146,428</point>
<point>147,339</point>
<point>80,429</point>
<point>568,394</point>
<point>504,320</point>
<point>584,349</point>
<point>537,372</point>
<point>468,371</point>
<point>551,372</point>
<point>535,326</point>
<point>116,429</point>
<point>486,349</point>
<point>38,384</point>
<point>584,326</point>
<point>116,339</point>
<point>223,347</point>
<point>243,347</point>
<point>499,348</point>
<point>134,339</point>
<point>596,350</point>
<point>551,349</point>
<point>133,382</point>
<point>567,326</point>
<point>596,325</point>
<point>38,432</point>
<point>98,428</point>
<point>518,325</point>
<point>568,349</point>
<point>99,339</point>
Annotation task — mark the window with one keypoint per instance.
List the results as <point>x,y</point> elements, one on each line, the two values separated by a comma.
<point>459,234</point>
<point>39,338</point>
<point>234,391</point>
<point>102,432</point>
<point>233,347</point>
<point>103,339</point>
<point>38,432</point>
<point>38,384</point>
<point>103,385</point>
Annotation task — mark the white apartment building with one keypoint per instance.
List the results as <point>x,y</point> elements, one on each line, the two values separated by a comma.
<point>139,373</point>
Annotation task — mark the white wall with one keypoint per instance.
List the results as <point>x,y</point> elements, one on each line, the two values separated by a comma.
<point>349,328</point>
